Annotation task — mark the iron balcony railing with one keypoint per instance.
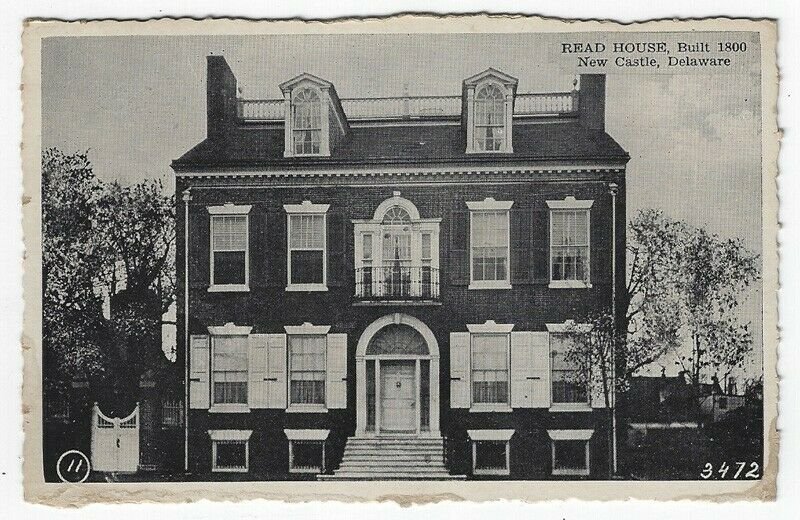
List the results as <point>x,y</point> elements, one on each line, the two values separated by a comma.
<point>397,282</point>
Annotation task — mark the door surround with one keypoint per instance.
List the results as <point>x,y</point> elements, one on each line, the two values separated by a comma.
<point>361,373</point>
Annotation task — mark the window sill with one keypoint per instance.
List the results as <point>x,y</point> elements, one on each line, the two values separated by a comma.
<point>489,285</point>
<point>569,284</point>
<point>570,407</point>
<point>572,472</point>
<point>229,408</point>
<point>306,287</point>
<point>229,470</point>
<point>305,470</point>
<point>229,288</point>
<point>483,408</point>
<point>309,408</point>
<point>505,472</point>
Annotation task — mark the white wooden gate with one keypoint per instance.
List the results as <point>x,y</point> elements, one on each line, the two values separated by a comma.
<point>115,441</point>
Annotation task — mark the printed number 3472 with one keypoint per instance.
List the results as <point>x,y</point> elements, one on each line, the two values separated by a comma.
<point>735,471</point>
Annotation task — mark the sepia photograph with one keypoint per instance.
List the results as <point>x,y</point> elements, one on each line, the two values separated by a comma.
<point>411,259</point>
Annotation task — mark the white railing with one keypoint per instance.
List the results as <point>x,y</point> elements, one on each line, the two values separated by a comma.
<point>542,104</point>
<point>413,107</point>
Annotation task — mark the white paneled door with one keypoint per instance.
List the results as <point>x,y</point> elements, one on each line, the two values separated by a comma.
<point>398,396</point>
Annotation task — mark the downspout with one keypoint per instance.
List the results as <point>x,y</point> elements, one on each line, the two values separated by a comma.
<point>187,196</point>
<point>613,189</point>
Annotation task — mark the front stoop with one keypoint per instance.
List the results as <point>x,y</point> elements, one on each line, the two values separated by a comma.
<point>393,458</point>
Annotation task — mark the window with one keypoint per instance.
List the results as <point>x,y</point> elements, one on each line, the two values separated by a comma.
<point>229,244</point>
<point>491,451</point>
<point>171,413</point>
<point>396,253</point>
<point>490,369</point>
<point>307,370</point>
<point>489,244</point>
<point>306,456</point>
<point>306,122</point>
<point>569,245</point>
<point>307,247</point>
<point>490,119</point>
<point>230,450</point>
<point>229,365</point>
<point>569,386</point>
<point>723,403</point>
<point>570,457</point>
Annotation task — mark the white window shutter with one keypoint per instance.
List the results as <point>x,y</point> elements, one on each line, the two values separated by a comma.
<point>257,371</point>
<point>523,373</point>
<point>199,390</point>
<point>336,373</point>
<point>459,370</point>
<point>276,371</point>
<point>596,388</point>
<point>540,361</point>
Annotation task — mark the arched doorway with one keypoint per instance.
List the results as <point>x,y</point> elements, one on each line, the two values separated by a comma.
<point>397,378</point>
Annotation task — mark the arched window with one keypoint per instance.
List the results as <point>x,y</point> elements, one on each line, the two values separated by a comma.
<point>490,116</point>
<point>306,122</point>
<point>396,215</point>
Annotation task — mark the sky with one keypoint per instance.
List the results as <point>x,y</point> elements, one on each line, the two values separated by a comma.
<point>137,103</point>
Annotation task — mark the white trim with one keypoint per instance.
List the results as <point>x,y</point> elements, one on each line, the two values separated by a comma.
<point>228,288</point>
<point>307,329</point>
<point>230,435</point>
<point>570,407</point>
<point>398,318</point>
<point>395,200</point>
<point>291,286</point>
<point>569,284</point>
<point>314,470</point>
<point>490,327</point>
<point>568,327</point>
<point>230,209</point>
<point>570,203</point>
<point>388,171</point>
<point>306,287</point>
<point>229,329</point>
<point>489,204</point>
<point>663,426</point>
<point>491,471</point>
<point>243,469</point>
<point>306,207</point>
<point>490,435</point>
<point>570,435</point>
<point>306,434</point>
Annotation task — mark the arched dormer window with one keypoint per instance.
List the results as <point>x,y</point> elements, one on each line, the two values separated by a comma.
<point>489,107</point>
<point>490,119</point>
<point>306,122</point>
<point>397,253</point>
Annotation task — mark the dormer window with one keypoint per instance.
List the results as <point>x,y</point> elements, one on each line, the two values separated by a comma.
<point>490,119</point>
<point>488,110</point>
<point>306,122</point>
<point>314,121</point>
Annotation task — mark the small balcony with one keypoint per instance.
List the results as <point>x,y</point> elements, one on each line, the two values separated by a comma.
<point>397,283</point>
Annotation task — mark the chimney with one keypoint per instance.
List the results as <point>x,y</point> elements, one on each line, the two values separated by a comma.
<point>221,98</point>
<point>592,101</point>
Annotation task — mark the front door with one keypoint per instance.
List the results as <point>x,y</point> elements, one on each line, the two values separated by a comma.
<point>398,397</point>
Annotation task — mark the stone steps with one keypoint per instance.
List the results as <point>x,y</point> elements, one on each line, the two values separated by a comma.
<point>392,458</point>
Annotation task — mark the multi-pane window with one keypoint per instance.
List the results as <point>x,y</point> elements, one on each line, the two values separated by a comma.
<point>490,251</point>
<point>490,369</point>
<point>490,132</point>
<point>306,456</point>
<point>569,245</point>
<point>569,384</point>
<point>307,249</point>
<point>490,457</point>
<point>229,250</point>
<point>307,369</point>
<point>230,455</point>
<point>306,122</point>
<point>571,457</point>
<point>229,365</point>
